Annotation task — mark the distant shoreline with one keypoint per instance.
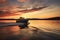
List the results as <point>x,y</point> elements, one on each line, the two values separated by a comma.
<point>53,18</point>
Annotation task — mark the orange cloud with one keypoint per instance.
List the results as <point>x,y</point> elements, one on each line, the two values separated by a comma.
<point>22,0</point>
<point>3,14</point>
<point>9,11</point>
<point>1,1</point>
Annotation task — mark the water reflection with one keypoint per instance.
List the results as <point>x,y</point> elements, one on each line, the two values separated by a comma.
<point>46,29</point>
<point>50,24</point>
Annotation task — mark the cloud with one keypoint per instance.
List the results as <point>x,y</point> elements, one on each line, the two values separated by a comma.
<point>8,11</point>
<point>27,4</point>
<point>1,1</point>
<point>53,2</point>
<point>51,11</point>
<point>22,0</point>
<point>44,2</point>
<point>2,14</point>
<point>31,3</point>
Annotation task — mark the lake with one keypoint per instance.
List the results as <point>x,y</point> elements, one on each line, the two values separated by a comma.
<point>48,26</point>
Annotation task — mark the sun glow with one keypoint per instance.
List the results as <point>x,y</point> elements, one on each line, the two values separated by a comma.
<point>45,13</point>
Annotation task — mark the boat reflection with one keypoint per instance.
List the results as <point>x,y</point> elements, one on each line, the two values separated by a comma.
<point>47,29</point>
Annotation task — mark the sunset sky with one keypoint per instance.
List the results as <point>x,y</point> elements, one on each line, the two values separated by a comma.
<point>11,8</point>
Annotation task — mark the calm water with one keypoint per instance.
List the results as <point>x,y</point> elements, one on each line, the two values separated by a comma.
<point>47,25</point>
<point>52,26</point>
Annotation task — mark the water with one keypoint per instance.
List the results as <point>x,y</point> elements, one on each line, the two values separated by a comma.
<point>47,25</point>
<point>44,27</point>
